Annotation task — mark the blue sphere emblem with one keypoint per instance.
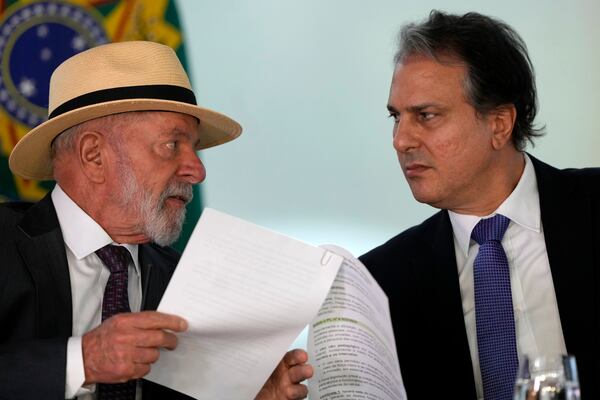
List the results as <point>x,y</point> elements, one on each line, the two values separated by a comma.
<point>34,40</point>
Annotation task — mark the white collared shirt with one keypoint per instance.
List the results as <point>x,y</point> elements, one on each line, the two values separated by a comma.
<point>83,236</point>
<point>537,320</point>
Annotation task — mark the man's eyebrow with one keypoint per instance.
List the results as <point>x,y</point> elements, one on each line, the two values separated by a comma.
<point>175,132</point>
<point>414,109</point>
<point>420,107</point>
<point>178,133</point>
<point>192,135</point>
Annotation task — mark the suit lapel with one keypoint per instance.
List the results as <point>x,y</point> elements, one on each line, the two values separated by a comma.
<point>437,271</point>
<point>40,244</point>
<point>156,272</point>
<point>571,243</point>
<point>442,276</point>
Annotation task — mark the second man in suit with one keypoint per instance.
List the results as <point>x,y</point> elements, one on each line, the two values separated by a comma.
<point>510,265</point>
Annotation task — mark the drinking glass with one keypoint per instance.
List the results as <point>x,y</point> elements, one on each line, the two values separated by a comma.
<point>547,378</point>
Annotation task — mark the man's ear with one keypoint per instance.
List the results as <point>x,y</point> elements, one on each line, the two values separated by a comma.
<point>502,120</point>
<point>91,148</point>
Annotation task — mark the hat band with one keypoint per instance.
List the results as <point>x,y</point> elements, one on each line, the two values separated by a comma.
<point>157,92</point>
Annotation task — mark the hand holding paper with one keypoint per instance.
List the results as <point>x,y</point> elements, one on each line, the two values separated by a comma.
<point>284,382</point>
<point>246,293</point>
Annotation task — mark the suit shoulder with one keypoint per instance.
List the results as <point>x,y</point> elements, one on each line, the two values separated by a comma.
<point>591,173</point>
<point>546,170</point>
<point>581,180</point>
<point>586,180</point>
<point>15,208</point>
<point>12,213</point>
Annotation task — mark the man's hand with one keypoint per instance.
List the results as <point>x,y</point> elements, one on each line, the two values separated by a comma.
<point>284,382</point>
<point>124,346</point>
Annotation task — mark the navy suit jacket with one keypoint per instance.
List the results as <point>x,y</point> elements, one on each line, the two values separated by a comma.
<point>35,302</point>
<point>417,269</point>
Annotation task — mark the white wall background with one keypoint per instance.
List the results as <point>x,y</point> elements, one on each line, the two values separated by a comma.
<point>309,80</point>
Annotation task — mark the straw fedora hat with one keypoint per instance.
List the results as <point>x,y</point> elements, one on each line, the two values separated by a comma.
<point>111,79</point>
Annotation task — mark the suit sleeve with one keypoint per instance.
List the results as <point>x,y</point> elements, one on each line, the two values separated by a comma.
<point>33,369</point>
<point>32,361</point>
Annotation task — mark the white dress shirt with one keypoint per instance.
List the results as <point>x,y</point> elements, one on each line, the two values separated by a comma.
<point>537,321</point>
<point>83,236</point>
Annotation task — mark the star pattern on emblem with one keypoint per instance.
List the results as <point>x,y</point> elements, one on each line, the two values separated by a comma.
<point>34,40</point>
<point>45,54</point>
<point>27,87</point>
<point>42,31</point>
<point>78,43</point>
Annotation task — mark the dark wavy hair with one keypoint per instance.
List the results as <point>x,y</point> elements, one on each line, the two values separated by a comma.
<point>499,70</point>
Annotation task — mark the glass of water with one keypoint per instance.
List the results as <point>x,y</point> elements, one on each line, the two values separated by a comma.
<point>547,378</point>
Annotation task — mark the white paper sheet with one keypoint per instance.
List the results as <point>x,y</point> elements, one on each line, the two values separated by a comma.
<point>351,340</point>
<point>246,293</point>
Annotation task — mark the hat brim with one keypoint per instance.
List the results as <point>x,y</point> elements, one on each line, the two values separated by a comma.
<point>30,158</point>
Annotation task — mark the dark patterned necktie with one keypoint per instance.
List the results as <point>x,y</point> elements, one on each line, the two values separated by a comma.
<point>115,301</point>
<point>494,315</point>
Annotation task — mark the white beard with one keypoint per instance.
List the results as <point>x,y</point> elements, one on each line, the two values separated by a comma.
<point>160,224</point>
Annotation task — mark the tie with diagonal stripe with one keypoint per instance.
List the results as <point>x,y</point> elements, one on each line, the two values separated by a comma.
<point>494,314</point>
<point>115,301</point>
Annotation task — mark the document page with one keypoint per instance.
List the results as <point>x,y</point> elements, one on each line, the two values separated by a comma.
<point>246,293</point>
<point>351,341</point>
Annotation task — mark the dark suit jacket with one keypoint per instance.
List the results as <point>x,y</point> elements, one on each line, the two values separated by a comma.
<point>417,269</point>
<point>35,301</point>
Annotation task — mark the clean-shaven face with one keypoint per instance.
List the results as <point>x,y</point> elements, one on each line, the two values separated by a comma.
<point>443,145</point>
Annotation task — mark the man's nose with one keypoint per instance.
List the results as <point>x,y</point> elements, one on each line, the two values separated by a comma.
<point>404,135</point>
<point>191,169</point>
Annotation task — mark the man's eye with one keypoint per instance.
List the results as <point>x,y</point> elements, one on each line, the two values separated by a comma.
<point>395,116</point>
<point>171,145</point>
<point>426,116</point>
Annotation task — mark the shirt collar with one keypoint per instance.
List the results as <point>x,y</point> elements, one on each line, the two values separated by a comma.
<point>82,235</point>
<point>521,207</point>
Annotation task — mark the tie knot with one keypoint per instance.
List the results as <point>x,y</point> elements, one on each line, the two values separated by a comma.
<point>490,229</point>
<point>116,258</point>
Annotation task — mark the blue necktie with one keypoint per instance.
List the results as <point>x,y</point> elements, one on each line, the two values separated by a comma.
<point>115,301</point>
<point>494,315</point>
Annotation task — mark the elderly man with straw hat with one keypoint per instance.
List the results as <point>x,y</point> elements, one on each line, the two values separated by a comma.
<point>120,141</point>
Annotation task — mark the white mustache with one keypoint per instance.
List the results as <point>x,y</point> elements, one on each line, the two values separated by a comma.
<point>175,189</point>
